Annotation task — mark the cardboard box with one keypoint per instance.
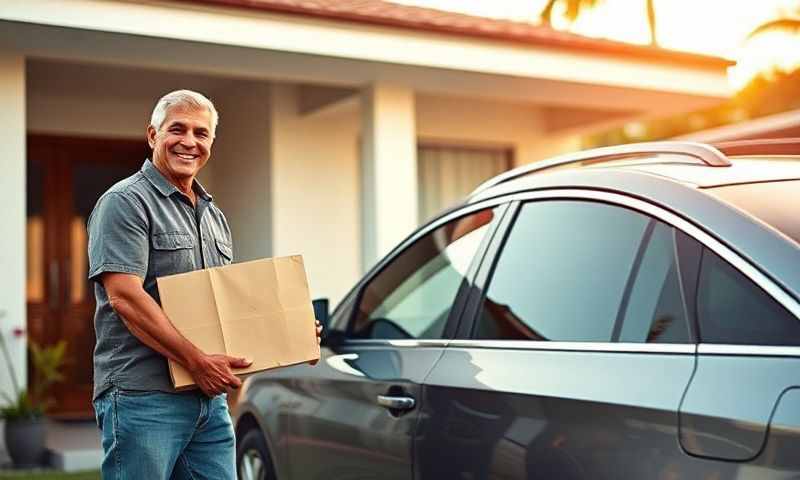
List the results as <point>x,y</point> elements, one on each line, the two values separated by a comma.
<point>260,310</point>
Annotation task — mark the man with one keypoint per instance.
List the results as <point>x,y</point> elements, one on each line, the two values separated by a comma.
<point>160,221</point>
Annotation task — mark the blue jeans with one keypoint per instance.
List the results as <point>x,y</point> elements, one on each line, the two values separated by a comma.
<point>157,435</point>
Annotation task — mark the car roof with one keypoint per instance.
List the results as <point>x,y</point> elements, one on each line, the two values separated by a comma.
<point>749,169</point>
<point>689,163</point>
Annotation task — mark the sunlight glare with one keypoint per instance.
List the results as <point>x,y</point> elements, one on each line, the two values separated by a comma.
<point>765,53</point>
<point>712,27</point>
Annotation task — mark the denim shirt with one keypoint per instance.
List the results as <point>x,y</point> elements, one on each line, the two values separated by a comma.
<point>145,226</point>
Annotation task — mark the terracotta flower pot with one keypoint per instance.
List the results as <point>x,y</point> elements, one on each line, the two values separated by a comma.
<point>25,441</point>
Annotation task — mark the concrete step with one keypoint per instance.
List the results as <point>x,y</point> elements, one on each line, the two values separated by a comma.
<point>74,445</point>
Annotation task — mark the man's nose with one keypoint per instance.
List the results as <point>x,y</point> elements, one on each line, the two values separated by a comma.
<point>188,140</point>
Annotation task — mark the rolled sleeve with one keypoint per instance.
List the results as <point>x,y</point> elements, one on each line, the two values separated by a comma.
<point>118,237</point>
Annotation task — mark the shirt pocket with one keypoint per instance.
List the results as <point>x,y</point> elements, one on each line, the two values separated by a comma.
<point>225,251</point>
<point>173,252</point>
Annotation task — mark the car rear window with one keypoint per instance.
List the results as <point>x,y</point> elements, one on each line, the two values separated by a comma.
<point>774,203</point>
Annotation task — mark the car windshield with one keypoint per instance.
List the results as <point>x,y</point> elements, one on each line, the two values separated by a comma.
<point>774,203</point>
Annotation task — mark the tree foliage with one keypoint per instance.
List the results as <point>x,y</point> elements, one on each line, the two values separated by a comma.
<point>574,8</point>
<point>768,93</point>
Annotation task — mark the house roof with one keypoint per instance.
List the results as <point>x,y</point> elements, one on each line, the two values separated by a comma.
<point>384,13</point>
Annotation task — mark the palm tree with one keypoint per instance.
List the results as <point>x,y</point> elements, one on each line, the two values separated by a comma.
<point>651,21</point>
<point>574,8</point>
<point>787,24</point>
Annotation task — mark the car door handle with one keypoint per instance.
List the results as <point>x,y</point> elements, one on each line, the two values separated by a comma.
<point>396,403</point>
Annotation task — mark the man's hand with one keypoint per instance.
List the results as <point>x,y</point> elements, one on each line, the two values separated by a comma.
<point>319,340</point>
<point>213,374</point>
<point>319,331</point>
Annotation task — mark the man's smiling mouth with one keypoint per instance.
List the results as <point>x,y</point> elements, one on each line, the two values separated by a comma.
<point>186,156</point>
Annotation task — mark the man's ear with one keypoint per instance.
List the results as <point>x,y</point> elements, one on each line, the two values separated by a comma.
<point>151,136</point>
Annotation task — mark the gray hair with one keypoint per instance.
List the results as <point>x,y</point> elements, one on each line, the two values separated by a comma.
<point>185,98</point>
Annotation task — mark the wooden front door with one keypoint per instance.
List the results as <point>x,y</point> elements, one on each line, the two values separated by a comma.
<point>65,177</point>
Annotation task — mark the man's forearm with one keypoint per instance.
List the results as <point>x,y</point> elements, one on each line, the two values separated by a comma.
<point>147,322</point>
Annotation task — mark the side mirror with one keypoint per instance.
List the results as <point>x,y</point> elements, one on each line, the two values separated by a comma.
<point>322,312</point>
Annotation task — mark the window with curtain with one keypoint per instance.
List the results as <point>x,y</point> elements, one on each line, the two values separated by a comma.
<point>447,174</point>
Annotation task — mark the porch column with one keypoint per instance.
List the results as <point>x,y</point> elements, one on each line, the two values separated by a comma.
<point>388,169</point>
<point>12,214</point>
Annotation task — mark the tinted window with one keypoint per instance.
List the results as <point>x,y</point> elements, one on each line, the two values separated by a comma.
<point>412,297</point>
<point>654,309</point>
<point>732,309</point>
<point>562,272</point>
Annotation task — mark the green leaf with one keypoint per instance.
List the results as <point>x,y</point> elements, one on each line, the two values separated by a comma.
<point>47,363</point>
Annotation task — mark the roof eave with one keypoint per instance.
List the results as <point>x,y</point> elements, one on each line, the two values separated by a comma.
<point>556,40</point>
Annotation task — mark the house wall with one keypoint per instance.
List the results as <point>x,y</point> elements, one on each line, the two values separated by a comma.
<point>315,191</point>
<point>78,114</point>
<point>240,169</point>
<point>462,121</point>
<point>12,215</point>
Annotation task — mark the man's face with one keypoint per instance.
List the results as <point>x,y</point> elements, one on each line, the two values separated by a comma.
<point>182,146</point>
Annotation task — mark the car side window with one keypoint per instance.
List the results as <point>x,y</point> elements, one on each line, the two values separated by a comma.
<point>731,309</point>
<point>654,310</point>
<point>413,295</point>
<point>582,271</point>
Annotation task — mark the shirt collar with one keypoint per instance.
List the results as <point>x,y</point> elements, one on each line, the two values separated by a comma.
<point>164,186</point>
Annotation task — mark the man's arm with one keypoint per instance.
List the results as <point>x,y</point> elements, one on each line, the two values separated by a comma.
<point>146,320</point>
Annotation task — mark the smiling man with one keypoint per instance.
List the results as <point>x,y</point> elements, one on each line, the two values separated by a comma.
<point>160,221</point>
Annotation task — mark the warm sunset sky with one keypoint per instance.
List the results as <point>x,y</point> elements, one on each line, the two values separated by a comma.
<point>714,27</point>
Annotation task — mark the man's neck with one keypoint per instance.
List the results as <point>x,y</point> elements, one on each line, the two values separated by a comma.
<point>183,184</point>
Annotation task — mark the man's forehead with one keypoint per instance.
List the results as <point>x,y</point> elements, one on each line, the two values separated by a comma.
<point>188,115</point>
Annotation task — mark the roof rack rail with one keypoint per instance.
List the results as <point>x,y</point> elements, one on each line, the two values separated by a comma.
<point>761,146</point>
<point>708,154</point>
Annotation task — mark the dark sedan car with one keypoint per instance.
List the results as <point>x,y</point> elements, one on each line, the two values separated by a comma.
<point>622,313</point>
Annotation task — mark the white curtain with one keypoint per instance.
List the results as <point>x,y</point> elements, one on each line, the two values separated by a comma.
<point>448,174</point>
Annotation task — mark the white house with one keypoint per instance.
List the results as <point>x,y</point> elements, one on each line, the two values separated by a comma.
<point>343,124</point>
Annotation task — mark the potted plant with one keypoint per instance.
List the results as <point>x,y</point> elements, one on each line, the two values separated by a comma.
<point>24,411</point>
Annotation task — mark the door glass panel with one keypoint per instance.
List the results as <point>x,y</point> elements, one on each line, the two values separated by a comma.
<point>413,295</point>
<point>78,259</point>
<point>34,230</point>
<point>89,182</point>
<point>732,309</point>
<point>562,273</point>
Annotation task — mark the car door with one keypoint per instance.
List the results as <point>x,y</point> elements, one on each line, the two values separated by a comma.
<point>579,353</point>
<point>742,404</point>
<point>355,413</point>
